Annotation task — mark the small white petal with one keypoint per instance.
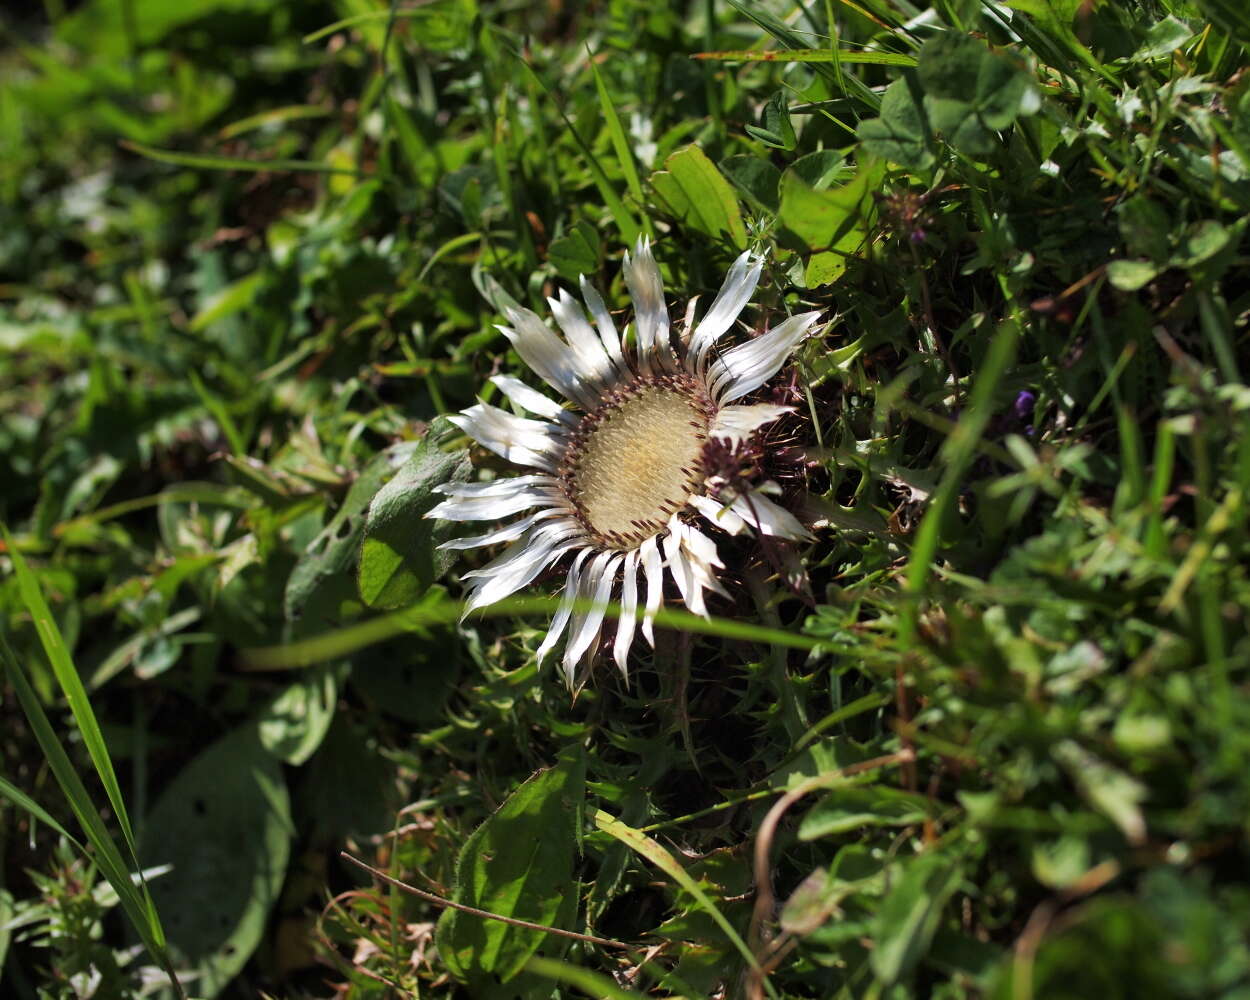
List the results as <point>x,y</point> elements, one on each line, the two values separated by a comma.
<point>691,556</point>
<point>596,587</point>
<point>603,323</point>
<point>629,608</point>
<point>718,514</point>
<point>769,518</point>
<point>490,508</point>
<point>748,366</point>
<point>646,288</point>
<point>591,356</point>
<point>734,294</point>
<point>518,439</point>
<point>518,565</point>
<point>531,399</point>
<point>561,618</point>
<point>737,423</point>
<point>549,356</point>
<point>508,533</point>
<point>679,567</point>
<point>653,567</point>
<point>496,487</point>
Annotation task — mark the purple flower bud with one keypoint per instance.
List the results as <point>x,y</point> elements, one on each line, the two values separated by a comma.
<point>1024,405</point>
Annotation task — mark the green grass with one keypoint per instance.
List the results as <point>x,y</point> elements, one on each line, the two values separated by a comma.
<point>248,255</point>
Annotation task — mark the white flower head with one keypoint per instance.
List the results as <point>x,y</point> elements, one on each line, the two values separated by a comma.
<point>621,481</point>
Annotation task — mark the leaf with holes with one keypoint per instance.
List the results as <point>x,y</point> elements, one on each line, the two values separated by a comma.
<point>400,557</point>
<point>519,864</point>
<point>321,588</point>
<point>224,827</point>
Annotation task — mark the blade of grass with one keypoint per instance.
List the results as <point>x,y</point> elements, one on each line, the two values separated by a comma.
<point>210,161</point>
<point>617,134</point>
<point>135,899</point>
<point>71,684</point>
<point>834,56</point>
<point>341,642</point>
<point>594,983</point>
<point>625,221</point>
<point>958,450</point>
<point>658,856</point>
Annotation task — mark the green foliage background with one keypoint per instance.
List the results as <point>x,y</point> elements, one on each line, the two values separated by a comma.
<point>245,253</point>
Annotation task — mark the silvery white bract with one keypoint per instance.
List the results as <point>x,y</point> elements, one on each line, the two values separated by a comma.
<point>620,481</point>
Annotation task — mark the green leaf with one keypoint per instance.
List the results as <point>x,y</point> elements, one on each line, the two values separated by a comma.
<point>694,191</point>
<point>293,725</point>
<point>832,225</point>
<point>1200,242</point>
<point>321,588</point>
<point>911,913</point>
<point>519,863</point>
<point>901,135</point>
<point>849,808</point>
<point>576,252</point>
<point>777,130</point>
<point>1108,789</point>
<point>756,179</point>
<point>1144,227</point>
<point>971,93</point>
<point>823,168</point>
<point>1130,275</point>
<point>224,827</point>
<point>399,559</point>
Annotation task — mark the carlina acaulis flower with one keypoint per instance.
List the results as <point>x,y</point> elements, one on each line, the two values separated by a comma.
<point>624,480</point>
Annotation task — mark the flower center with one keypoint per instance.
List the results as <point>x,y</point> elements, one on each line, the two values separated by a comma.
<point>636,459</point>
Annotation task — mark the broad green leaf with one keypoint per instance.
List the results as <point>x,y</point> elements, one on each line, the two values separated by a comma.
<point>910,915</point>
<point>1144,227</point>
<point>833,224</point>
<point>399,558</point>
<point>293,725</point>
<point>695,192</point>
<point>1200,242</point>
<point>902,133</point>
<point>971,93</point>
<point>322,588</point>
<point>823,168</point>
<point>519,863</point>
<point>849,808</point>
<point>576,252</point>
<point>756,179</point>
<point>1130,275</point>
<point>223,825</point>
